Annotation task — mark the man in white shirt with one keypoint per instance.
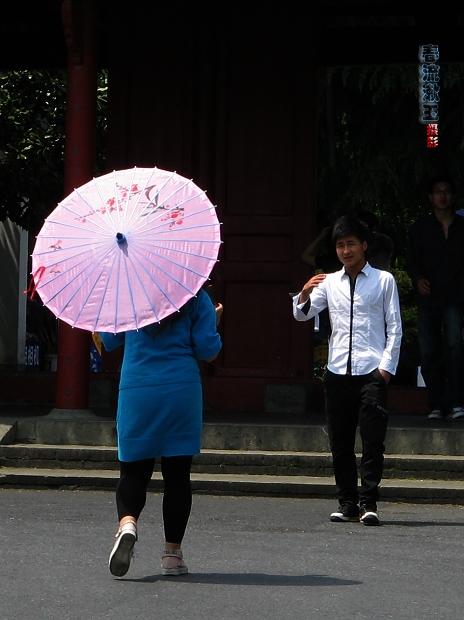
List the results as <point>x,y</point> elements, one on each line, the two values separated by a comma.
<point>364,350</point>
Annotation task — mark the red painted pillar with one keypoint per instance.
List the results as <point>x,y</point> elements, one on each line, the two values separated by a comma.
<point>79,22</point>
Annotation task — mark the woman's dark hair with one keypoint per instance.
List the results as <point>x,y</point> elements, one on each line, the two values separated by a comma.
<point>155,328</point>
<point>348,225</point>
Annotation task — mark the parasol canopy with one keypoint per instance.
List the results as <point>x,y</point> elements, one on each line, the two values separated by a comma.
<point>126,250</point>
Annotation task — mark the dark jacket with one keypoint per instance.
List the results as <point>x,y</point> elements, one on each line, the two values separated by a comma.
<point>438,259</point>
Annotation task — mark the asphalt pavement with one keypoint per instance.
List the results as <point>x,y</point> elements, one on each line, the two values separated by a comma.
<point>249,557</point>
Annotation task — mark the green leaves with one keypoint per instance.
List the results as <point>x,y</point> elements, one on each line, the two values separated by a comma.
<point>32,135</point>
<point>372,153</point>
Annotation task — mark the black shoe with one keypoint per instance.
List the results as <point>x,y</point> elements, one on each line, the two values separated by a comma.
<point>369,515</point>
<point>346,512</point>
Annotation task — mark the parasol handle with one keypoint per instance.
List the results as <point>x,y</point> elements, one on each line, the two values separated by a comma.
<point>120,238</point>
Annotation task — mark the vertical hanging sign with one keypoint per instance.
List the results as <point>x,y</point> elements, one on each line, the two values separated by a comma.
<point>429,92</point>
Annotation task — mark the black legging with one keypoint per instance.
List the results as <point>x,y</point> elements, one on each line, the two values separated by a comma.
<point>131,492</point>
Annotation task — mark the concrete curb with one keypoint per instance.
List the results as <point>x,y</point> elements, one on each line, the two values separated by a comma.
<point>235,462</point>
<point>417,491</point>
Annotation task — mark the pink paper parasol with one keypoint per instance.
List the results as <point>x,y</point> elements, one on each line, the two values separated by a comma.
<point>126,250</point>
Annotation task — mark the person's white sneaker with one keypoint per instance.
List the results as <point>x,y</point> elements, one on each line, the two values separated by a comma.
<point>345,512</point>
<point>369,516</point>
<point>436,415</point>
<point>123,549</point>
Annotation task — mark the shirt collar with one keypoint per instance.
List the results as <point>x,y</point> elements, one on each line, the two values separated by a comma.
<point>365,270</point>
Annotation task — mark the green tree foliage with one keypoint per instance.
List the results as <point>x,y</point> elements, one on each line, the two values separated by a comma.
<point>32,135</point>
<point>372,149</point>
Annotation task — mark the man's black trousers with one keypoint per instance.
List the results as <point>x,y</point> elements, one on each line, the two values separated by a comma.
<point>351,400</point>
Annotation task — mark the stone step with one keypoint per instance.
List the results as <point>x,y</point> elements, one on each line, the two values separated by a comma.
<point>404,435</point>
<point>229,462</point>
<point>417,491</point>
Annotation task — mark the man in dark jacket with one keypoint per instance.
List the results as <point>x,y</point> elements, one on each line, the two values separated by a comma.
<point>436,267</point>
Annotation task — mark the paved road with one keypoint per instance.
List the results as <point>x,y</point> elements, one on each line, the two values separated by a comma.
<point>250,557</point>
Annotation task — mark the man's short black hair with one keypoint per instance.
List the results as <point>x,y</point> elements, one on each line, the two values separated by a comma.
<point>444,178</point>
<point>348,225</point>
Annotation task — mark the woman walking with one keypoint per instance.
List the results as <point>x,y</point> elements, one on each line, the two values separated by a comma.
<point>160,415</point>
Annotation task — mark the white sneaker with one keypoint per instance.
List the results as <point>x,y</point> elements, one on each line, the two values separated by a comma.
<point>345,512</point>
<point>437,415</point>
<point>456,413</point>
<point>123,549</point>
<point>369,515</point>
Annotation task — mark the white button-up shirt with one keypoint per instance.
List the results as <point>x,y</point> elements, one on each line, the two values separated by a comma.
<point>373,320</point>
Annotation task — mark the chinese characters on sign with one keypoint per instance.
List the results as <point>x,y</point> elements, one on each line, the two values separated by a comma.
<point>429,92</point>
<point>432,135</point>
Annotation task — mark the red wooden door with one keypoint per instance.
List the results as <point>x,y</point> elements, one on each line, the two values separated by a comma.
<point>264,189</point>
